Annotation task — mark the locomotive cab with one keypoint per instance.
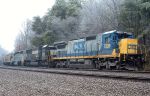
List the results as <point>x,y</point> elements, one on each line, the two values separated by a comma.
<point>120,37</point>
<point>17,58</point>
<point>48,53</point>
<point>121,51</point>
<point>110,41</point>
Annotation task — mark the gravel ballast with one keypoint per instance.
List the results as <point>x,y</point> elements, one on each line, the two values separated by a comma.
<point>21,83</point>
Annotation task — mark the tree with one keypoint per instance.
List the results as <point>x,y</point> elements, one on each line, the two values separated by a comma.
<point>99,16</point>
<point>23,40</point>
<point>130,17</point>
<point>37,25</point>
<point>60,22</point>
<point>37,41</point>
<point>20,42</point>
<point>49,38</point>
<point>28,33</point>
<point>73,7</point>
<point>66,8</point>
<point>60,9</point>
<point>135,16</point>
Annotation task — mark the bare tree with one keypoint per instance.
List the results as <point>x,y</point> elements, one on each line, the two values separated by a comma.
<point>23,40</point>
<point>99,16</point>
<point>28,33</point>
<point>19,42</point>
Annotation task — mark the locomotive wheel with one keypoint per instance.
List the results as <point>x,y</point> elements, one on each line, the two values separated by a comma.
<point>39,63</point>
<point>118,67</point>
<point>132,65</point>
<point>24,64</point>
<point>98,66</point>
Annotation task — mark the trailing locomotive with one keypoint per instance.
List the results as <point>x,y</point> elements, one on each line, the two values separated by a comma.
<point>108,50</point>
<point>7,59</point>
<point>31,57</point>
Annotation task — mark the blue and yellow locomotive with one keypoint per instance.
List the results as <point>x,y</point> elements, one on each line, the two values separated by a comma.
<point>110,50</point>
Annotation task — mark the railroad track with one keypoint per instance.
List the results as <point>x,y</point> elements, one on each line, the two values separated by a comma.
<point>94,70</point>
<point>89,73</point>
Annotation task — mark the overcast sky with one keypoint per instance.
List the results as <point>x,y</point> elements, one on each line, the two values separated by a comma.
<point>14,13</point>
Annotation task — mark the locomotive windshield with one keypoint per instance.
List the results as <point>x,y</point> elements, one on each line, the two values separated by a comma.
<point>124,35</point>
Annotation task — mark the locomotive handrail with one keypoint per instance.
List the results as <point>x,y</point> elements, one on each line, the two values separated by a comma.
<point>144,50</point>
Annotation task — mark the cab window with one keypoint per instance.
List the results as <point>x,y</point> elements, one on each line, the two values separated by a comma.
<point>124,35</point>
<point>107,40</point>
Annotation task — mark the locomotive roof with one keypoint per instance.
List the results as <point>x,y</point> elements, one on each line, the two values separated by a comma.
<point>83,37</point>
<point>44,46</point>
<point>108,32</point>
<point>60,43</point>
<point>51,46</point>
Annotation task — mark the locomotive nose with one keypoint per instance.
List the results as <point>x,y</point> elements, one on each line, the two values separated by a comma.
<point>128,46</point>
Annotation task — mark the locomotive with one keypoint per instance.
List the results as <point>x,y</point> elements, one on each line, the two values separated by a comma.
<point>7,59</point>
<point>109,50</point>
<point>30,57</point>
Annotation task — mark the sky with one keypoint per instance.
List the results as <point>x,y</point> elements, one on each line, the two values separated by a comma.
<point>13,13</point>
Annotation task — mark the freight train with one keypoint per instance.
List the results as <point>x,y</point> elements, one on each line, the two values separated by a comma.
<point>109,50</point>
